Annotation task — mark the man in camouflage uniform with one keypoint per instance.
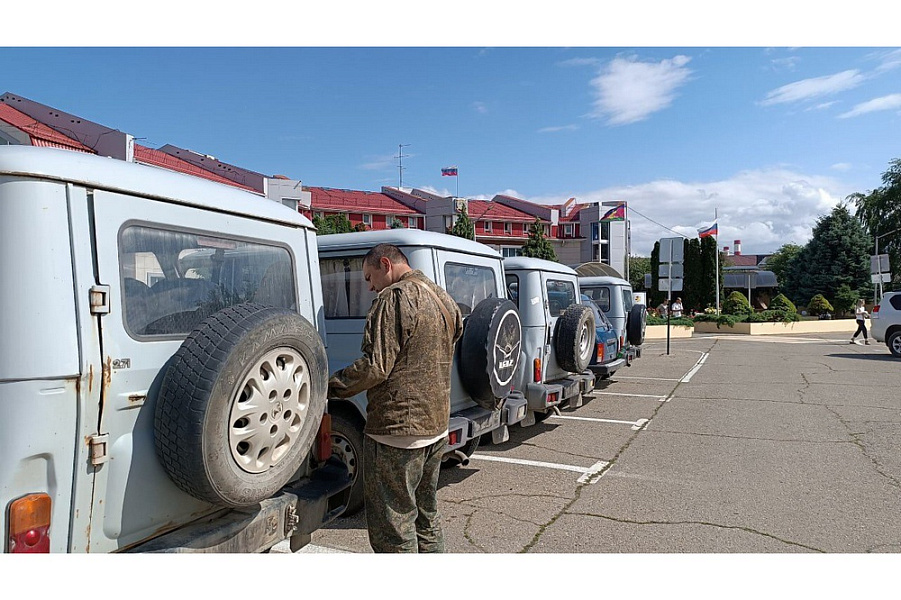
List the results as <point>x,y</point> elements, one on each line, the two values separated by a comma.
<point>408,348</point>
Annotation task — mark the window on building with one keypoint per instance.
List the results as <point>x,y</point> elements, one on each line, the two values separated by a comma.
<point>411,222</point>
<point>367,219</point>
<point>508,228</point>
<point>507,251</point>
<point>605,253</point>
<point>595,232</point>
<point>605,230</point>
<point>568,230</point>
<point>489,226</point>
<point>547,230</point>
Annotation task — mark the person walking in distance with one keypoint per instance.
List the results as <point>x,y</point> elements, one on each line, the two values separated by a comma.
<point>861,315</point>
<point>408,348</point>
<point>676,308</point>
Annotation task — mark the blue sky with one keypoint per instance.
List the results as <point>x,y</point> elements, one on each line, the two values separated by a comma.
<point>770,137</point>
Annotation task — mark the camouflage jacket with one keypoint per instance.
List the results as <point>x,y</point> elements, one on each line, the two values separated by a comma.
<point>408,352</point>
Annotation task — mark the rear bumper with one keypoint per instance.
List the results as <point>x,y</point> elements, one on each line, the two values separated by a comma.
<point>608,368</point>
<point>294,513</point>
<point>566,388</point>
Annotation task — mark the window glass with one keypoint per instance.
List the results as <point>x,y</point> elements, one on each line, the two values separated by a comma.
<point>468,285</point>
<point>513,288</point>
<point>346,294</point>
<point>172,280</point>
<point>560,295</point>
<point>627,300</point>
<point>600,296</point>
<point>895,301</point>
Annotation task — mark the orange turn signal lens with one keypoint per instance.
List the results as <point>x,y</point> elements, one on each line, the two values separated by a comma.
<point>324,439</point>
<point>536,370</point>
<point>29,524</point>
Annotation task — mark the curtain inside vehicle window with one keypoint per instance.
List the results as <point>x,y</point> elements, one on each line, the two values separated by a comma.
<point>172,280</point>
<point>346,294</point>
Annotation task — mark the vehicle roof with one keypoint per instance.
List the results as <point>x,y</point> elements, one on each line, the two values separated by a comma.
<point>607,280</point>
<point>403,237</point>
<point>535,264</point>
<point>114,175</point>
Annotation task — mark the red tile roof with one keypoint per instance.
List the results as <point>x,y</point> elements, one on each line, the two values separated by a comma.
<point>356,201</point>
<point>157,158</point>
<point>744,260</point>
<point>40,134</point>
<point>495,211</point>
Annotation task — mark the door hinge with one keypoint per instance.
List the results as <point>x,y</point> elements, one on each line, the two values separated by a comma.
<point>99,296</point>
<point>99,448</point>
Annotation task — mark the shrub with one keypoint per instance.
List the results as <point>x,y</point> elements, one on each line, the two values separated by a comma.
<point>845,299</point>
<point>781,302</point>
<point>819,305</point>
<point>722,319</point>
<point>657,320</point>
<point>737,304</point>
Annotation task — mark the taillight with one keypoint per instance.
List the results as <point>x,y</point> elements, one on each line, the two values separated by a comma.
<point>876,309</point>
<point>600,352</point>
<point>29,525</point>
<point>324,439</point>
<point>536,370</point>
<point>551,398</point>
<point>453,437</point>
<point>622,341</point>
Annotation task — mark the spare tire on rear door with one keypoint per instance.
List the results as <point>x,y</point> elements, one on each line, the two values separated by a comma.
<point>636,324</point>
<point>488,352</point>
<point>574,338</point>
<point>240,404</point>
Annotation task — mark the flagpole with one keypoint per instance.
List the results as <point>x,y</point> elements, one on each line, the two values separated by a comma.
<point>717,240</point>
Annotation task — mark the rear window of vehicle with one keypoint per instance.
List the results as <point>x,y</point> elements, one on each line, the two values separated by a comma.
<point>600,295</point>
<point>560,295</point>
<point>895,301</point>
<point>468,285</point>
<point>173,280</point>
<point>627,300</point>
<point>346,294</point>
<point>513,288</point>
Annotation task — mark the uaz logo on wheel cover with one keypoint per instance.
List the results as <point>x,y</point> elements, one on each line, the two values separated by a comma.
<point>507,342</point>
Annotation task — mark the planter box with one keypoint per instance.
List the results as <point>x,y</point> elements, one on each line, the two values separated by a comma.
<point>658,332</point>
<point>847,326</point>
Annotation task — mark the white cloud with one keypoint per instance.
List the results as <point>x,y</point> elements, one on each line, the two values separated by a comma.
<point>889,60</point>
<point>841,167</point>
<point>785,64</point>
<point>763,208</point>
<point>580,62</point>
<point>815,87</point>
<point>822,106</point>
<point>890,102</point>
<point>480,107</point>
<point>378,163</point>
<point>556,129</point>
<point>628,90</point>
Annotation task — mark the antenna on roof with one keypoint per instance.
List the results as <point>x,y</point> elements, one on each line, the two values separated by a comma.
<point>400,164</point>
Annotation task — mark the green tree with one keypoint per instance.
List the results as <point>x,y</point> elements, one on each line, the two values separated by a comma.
<point>819,305</point>
<point>397,223</point>
<point>780,260</point>
<point>335,224</point>
<point>845,299</point>
<point>880,212</point>
<point>639,266</point>
<point>781,302</point>
<point>693,275</point>
<point>463,226</point>
<point>737,304</point>
<point>837,253</point>
<point>538,246</point>
<point>710,264</point>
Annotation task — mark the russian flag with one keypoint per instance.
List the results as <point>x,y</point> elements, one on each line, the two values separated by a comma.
<point>702,233</point>
<point>449,172</point>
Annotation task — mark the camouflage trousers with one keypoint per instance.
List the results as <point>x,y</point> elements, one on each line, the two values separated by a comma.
<point>400,492</point>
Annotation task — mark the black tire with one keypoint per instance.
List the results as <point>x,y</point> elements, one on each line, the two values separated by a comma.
<point>636,324</point>
<point>469,448</point>
<point>240,404</point>
<point>542,416</point>
<point>347,446</point>
<point>488,352</point>
<point>893,341</point>
<point>574,339</point>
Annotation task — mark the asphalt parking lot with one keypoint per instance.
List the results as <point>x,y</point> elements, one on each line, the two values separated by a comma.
<point>728,444</point>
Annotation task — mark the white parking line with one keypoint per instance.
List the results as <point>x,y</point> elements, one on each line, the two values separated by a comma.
<point>695,368</point>
<point>586,477</point>
<point>636,425</point>
<point>647,378</point>
<point>656,397</point>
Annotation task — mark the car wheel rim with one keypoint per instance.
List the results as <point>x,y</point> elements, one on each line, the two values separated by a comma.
<point>585,342</point>
<point>344,451</point>
<point>896,344</point>
<point>269,411</point>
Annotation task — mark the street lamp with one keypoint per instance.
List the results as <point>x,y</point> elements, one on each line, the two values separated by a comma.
<point>875,298</point>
